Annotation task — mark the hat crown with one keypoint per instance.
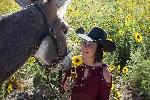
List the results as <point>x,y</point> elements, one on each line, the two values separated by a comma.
<point>97,34</point>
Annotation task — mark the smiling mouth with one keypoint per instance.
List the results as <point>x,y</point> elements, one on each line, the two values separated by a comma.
<point>84,51</point>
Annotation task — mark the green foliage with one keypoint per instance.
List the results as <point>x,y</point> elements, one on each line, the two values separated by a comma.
<point>8,6</point>
<point>140,76</point>
<point>122,19</point>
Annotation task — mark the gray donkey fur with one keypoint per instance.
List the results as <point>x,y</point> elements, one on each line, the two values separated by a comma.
<point>20,32</point>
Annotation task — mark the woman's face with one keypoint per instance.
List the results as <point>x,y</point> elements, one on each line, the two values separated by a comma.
<point>88,49</point>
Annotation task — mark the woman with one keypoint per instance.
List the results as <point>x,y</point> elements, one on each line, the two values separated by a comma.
<point>93,80</point>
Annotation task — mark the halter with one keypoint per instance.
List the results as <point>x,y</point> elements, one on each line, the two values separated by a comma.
<point>53,37</point>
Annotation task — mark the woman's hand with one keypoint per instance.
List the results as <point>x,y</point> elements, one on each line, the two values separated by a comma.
<point>67,85</point>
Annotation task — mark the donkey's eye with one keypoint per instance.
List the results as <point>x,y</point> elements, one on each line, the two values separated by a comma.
<point>65,32</point>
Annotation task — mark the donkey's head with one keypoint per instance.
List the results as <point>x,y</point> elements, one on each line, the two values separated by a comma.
<point>59,26</point>
<point>57,3</point>
<point>54,46</point>
<point>26,30</point>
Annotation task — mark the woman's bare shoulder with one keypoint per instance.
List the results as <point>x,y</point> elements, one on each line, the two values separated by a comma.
<point>107,75</point>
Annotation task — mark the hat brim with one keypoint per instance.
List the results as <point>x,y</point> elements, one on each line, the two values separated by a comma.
<point>85,37</point>
<point>107,45</point>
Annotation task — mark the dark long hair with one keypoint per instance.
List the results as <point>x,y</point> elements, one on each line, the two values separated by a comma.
<point>98,54</point>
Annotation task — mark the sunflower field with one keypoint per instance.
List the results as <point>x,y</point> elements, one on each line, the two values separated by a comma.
<point>127,23</point>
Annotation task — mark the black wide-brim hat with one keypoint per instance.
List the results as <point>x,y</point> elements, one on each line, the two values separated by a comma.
<point>97,35</point>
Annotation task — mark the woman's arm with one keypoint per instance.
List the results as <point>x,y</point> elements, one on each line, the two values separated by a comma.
<point>67,74</point>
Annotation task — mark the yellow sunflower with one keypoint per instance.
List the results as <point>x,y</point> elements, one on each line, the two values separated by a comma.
<point>113,86</point>
<point>31,60</point>
<point>111,68</point>
<point>118,94</point>
<point>121,32</point>
<point>9,88</point>
<point>77,61</point>
<point>128,18</point>
<point>138,37</point>
<point>118,69</point>
<point>13,78</point>
<point>94,24</point>
<point>125,70</point>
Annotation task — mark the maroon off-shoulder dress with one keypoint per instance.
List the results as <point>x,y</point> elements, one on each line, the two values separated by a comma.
<point>93,87</point>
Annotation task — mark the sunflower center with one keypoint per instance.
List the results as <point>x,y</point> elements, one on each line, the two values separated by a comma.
<point>77,60</point>
<point>138,37</point>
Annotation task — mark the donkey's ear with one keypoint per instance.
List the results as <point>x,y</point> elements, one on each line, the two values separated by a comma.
<point>80,31</point>
<point>63,7</point>
<point>23,3</point>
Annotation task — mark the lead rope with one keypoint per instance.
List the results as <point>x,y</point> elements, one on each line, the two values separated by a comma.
<point>58,59</point>
<point>48,30</point>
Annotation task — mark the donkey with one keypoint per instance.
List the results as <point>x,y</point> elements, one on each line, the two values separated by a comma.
<point>31,27</point>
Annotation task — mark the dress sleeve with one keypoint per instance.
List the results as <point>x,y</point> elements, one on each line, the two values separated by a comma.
<point>105,88</point>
